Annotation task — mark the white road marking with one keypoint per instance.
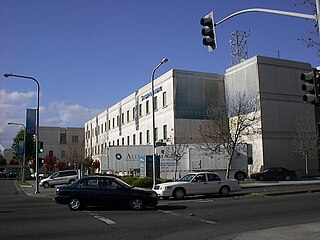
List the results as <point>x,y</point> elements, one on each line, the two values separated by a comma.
<point>102,219</point>
<point>190,216</point>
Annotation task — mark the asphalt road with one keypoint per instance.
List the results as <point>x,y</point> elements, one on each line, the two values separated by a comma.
<point>295,216</point>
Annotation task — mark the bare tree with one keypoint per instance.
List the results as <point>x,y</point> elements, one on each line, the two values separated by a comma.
<point>228,124</point>
<point>311,40</point>
<point>177,152</point>
<point>305,138</point>
<point>75,154</point>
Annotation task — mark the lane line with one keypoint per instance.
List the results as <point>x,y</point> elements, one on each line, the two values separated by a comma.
<point>102,219</point>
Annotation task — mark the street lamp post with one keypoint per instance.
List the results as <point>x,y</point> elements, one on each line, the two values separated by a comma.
<point>23,178</point>
<point>153,123</point>
<point>37,129</point>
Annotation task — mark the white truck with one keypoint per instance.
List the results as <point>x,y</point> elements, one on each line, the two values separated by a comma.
<point>197,159</point>
<point>132,160</point>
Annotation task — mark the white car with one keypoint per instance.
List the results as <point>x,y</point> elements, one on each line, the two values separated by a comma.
<point>200,183</point>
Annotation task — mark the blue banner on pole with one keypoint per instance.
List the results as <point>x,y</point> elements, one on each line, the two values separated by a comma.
<point>31,122</point>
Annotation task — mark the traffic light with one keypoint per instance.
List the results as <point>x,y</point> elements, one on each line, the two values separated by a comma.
<point>310,86</point>
<point>208,32</point>
<point>40,149</point>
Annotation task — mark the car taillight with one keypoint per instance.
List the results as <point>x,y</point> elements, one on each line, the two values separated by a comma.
<point>57,191</point>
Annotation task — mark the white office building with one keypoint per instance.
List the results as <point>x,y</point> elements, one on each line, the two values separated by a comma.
<point>181,101</point>
<point>181,104</point>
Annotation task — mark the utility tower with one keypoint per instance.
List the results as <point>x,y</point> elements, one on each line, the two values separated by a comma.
<point>239,47</point>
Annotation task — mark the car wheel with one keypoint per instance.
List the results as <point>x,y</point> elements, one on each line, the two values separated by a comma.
<point>240,176</point>
<point>224,191</point>
<point>136,204</point>
<point>260,178</point>
<point>179,193</point>
<point>45,185</point>
<point>287,178</point>
<point>75,204</point>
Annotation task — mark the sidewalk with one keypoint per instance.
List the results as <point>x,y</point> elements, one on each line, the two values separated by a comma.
<point>309,231</point>
<point>29,190</point>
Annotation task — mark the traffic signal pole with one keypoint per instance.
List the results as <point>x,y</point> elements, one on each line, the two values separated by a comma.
<point>272,11</point>
<point>314,17</point>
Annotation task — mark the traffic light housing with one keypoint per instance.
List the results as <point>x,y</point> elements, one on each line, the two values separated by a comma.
<point>208,32</point>
<point>310,86</point>
<point>40,149</point>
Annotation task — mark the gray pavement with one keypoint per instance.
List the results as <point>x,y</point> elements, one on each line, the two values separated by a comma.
<point>309,231</point>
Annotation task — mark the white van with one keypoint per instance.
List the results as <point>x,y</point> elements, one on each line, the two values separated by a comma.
<point>59,178</point>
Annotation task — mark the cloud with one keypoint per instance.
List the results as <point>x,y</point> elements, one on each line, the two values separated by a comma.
<point>62,115</point>
<point>57,114</point>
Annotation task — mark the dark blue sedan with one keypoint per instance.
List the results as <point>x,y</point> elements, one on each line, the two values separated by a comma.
<point>104,191</point>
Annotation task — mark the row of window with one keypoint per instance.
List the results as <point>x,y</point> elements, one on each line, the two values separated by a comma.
<point>134,140</point>
<point>126,117</point>
<point>63,138</point>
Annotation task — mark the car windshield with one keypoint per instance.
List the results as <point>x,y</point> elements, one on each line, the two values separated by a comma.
<point>187,178</point>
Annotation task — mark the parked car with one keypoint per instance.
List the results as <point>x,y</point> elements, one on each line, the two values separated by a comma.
<point>12,174</point>
<point>197,183</point>
<point>275,173</point>
<point>104,191</point>
<point>59,178</point>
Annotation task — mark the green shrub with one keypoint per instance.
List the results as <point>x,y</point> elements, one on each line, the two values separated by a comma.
<point>142,182</point>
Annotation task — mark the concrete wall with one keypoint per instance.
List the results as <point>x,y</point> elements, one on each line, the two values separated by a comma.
<point>276,85</point>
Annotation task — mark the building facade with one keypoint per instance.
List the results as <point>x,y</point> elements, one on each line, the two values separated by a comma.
<point>181,104</point>
<point>181,100</point>
<point>62,142</point>
<point>274,86</point>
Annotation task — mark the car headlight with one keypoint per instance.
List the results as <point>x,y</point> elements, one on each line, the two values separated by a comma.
<point>166,188</point>
<point>154,195</point>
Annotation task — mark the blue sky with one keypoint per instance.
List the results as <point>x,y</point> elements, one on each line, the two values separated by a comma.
<point>89,54</point>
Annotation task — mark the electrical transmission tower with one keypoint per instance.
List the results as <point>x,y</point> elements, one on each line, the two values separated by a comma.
<point>239,47</point>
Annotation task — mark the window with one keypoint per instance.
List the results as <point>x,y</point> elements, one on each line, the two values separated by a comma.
<point>128,116</point>
<point>118,121</point>
<point>155,106</point>
<point>63,138</point>
<point>164,99</point>
<point>140,110</point>
<point>112,122</point>
<point>122,118</point>
<point>89,183</point>
<point>165,132</point>
<point>134,113</point>
<point>118,142</point>
<point>140,138</point>
<point>128,140</point>
<point>109,124</point>
<point>147,107</point>
<point>63,154</point>
<point>148,136</point>
<point>213,177</point>
<point>122,141</point>
<point>134,139</point>
<point>156,134</point>
<point>75,139</point>
<point>199,178</point>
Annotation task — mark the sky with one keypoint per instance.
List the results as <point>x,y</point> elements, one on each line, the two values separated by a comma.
<point>89,54</point>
